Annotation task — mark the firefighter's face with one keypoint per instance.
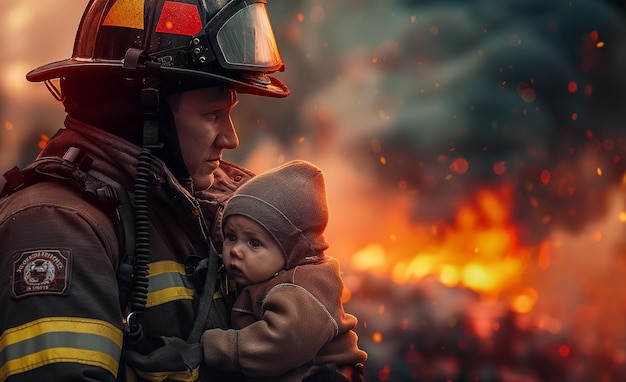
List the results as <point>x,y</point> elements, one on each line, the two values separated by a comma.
<point>205,129</point>
<point>250,254</point>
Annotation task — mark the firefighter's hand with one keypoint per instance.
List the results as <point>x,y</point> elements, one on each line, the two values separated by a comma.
<point>171,356</point>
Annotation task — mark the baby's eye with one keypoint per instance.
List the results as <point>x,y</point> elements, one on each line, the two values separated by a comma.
<point>255,243</point>
<point>230,237</point>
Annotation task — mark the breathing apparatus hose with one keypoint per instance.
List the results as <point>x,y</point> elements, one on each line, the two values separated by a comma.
<point>140,281</point>
<point>142,232</point>
<point>139,290</point>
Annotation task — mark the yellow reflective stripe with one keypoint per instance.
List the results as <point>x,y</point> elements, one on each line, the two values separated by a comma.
<point>60,324</point>
<point>168,282</point>
<point>170,294</point>
<point>59,339</point>
<point>48,356</point>
<point>166,266</point>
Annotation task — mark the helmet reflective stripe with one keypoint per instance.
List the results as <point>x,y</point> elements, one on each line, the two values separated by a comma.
<point>179,18</point>
<point>125,13</point>
<point>258,49</point>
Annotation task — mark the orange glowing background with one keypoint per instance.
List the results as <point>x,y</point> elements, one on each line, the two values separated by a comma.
<point>475,161</point>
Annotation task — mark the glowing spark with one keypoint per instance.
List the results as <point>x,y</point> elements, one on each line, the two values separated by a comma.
<point>43,140</point>
<point>384,373</point>
<point>377,337</point>
<point>528,95</point>
<point>523,303</point>
<point>8,125</point>
<point>572,87</point>
<point>460,166</point>
<point>597,236</point>
<point>599,171</point>
<point>564,351</point>
<point>499,168</point>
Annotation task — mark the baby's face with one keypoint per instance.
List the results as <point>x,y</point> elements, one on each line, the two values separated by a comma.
<point>250,254</point>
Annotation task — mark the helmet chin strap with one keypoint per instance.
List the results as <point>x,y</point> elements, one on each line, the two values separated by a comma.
<point>171,151</point>
<point>159,135</point>
<point>150,104</point>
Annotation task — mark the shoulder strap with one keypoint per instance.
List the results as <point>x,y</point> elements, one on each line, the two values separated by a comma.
<point>74,169</point>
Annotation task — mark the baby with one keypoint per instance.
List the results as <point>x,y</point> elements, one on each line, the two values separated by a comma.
<point>288,323</point>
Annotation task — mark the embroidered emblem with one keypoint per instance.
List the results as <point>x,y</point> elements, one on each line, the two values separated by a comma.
<point>43,271</point>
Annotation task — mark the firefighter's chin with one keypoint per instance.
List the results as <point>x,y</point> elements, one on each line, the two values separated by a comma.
<point>203,178</point>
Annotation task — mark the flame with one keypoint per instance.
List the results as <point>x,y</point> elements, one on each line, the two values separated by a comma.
<point>479,251</point>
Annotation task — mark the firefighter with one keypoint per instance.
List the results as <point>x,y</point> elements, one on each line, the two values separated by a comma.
<point>109,239</point>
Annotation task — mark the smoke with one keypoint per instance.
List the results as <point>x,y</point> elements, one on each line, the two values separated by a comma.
<point>437,99</point>
<point>32,33</point>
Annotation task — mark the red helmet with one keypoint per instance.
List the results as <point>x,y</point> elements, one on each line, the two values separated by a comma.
<point>207,42</point>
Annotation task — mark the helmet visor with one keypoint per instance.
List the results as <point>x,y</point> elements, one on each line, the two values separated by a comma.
<point>257,50</point>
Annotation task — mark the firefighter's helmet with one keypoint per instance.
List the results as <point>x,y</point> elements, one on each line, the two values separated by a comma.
<point>205,42</point>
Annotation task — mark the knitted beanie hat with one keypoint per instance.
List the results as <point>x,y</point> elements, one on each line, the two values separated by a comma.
<point>290,203</point>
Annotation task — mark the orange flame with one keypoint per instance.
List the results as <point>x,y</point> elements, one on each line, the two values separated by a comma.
<point>479,251</point>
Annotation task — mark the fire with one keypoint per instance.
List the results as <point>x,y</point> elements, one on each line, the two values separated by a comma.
<point>479,250</point>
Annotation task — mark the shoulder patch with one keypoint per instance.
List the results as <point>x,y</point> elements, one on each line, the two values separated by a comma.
<point>41,272</point>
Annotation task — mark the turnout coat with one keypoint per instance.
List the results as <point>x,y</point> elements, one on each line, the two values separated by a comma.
<point>59,255</point>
